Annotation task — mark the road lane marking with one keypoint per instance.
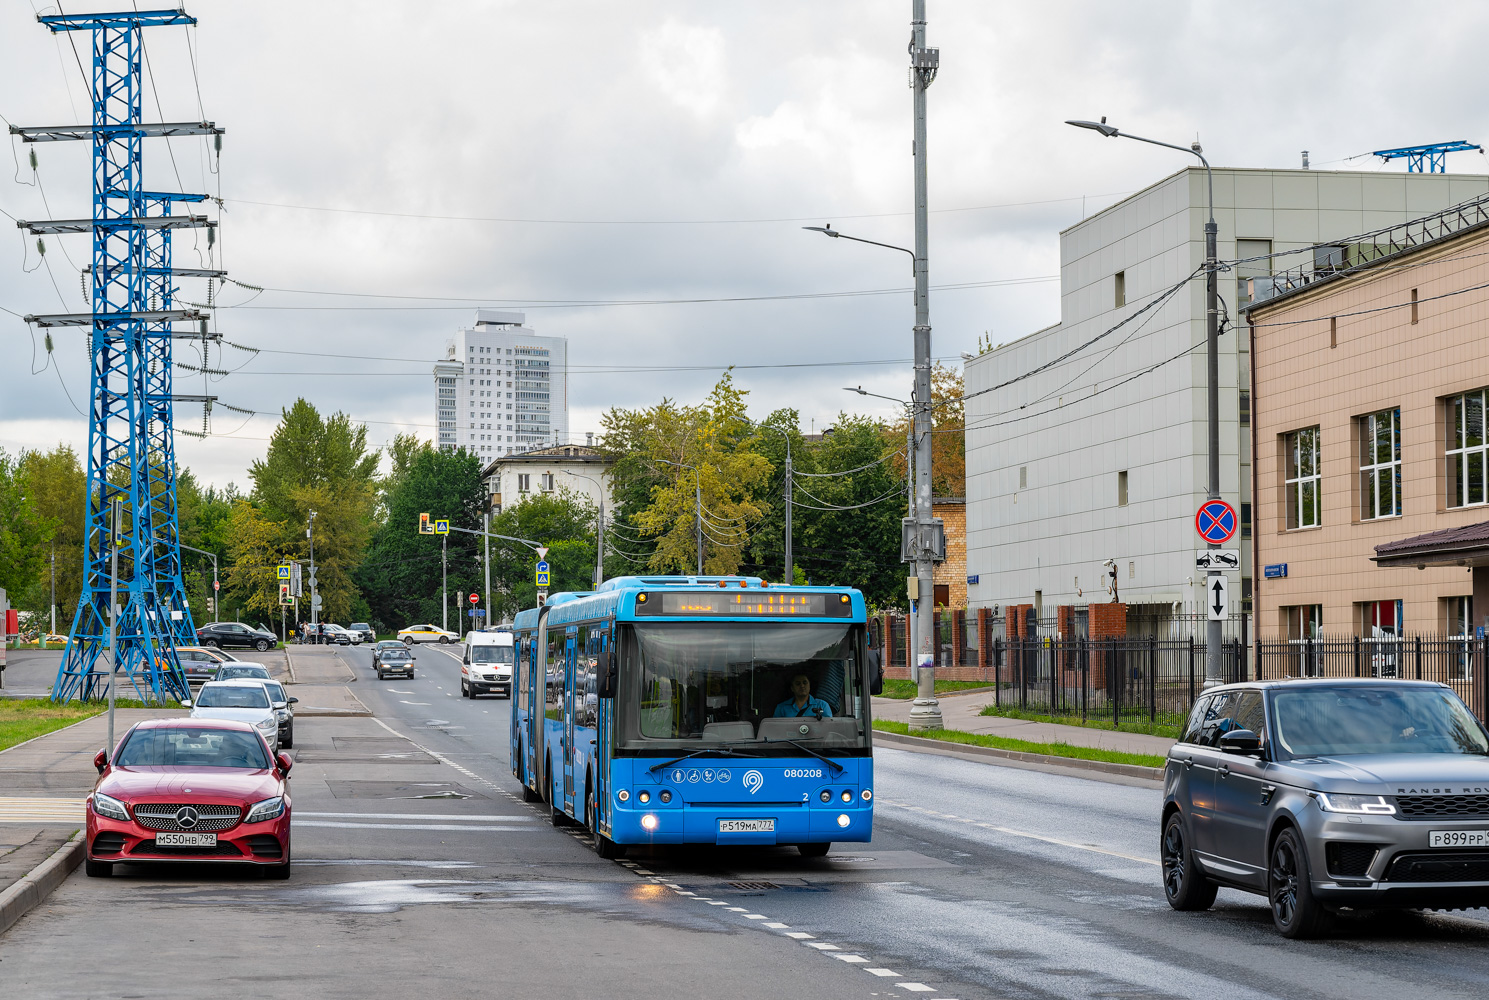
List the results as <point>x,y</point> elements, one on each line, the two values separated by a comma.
<point>421,704</point>
<point>42,810</point>
<point>821,945</point>
<point>412,826</point>
<point>850,958</point>
<point>881,972</point>
<point>916,987</point>
<point>775,926</point>
<point>481,818</point>
<point>799,935</point>
<point>1028,836</point>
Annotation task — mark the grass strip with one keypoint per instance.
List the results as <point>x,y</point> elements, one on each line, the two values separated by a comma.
<point>1023,746</point>
<point>906,689</point>
<point>23,719</point>
<point>1165,726</point>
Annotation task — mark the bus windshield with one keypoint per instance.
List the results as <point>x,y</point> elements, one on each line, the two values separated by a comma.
<point>747,682</point>
<point>491,654</point>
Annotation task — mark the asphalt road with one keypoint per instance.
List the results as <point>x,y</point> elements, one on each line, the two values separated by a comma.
<point>417,867</point>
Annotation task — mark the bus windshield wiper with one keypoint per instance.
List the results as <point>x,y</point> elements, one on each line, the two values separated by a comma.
<point>806,749</point>
<point>726,751</point>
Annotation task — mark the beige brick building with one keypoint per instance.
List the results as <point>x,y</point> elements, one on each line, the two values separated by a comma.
<point>1370,364</point>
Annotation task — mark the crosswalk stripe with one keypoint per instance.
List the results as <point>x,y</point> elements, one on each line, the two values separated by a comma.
<point>40,810</point>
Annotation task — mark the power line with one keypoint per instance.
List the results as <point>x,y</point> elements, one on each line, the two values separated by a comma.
<point>657,222</point>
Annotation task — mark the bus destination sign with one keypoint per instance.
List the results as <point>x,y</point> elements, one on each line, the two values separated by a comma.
<point>748,604</point>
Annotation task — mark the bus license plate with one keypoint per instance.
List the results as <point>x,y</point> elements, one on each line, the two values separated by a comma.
<point>1458,838</point>
<point>747,826</point>
<point>186,840</point>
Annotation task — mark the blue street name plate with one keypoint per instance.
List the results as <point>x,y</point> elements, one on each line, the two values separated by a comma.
<point>1275,571</point>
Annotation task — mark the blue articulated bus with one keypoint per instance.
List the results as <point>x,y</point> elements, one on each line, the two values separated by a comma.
<point>698,710</point>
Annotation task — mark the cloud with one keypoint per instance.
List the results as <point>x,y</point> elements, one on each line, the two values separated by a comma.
<point>686,64</point>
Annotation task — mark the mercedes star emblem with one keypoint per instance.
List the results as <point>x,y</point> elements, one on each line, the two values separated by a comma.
<point>187,818</point>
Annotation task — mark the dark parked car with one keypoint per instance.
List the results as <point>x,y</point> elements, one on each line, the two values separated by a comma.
<point>235,634</point>
<point>1323,794</point>
<point>200,663</point>
<point>364,630</point>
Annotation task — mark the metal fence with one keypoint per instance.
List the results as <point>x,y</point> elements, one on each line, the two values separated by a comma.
<point>1455,661</point>
<point>1121,679</point>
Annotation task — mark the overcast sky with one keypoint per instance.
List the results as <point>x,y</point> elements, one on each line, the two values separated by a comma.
<point>604,152</point>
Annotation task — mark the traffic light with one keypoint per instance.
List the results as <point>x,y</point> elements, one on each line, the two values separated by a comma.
<point>425,527</point>
<point>210,604</point>
<point>284,595</point>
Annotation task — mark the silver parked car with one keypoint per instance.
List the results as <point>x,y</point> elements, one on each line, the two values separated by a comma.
<point>1323,794</point>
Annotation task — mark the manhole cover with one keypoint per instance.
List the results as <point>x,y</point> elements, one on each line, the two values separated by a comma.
<point>753,885</point>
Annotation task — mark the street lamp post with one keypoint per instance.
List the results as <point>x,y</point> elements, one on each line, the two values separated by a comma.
<point>1212,358</point>
<point>698,512</point>
<point>314,592</point>
<point>925,710</point>
<point>600,531</point>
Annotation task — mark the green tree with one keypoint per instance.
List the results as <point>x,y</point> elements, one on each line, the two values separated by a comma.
<point>563,521</point>
<point>25,536</point>
<point>400,577</point>
<point>58,487</point>
<point>312,464</point>
<point>686,465</point>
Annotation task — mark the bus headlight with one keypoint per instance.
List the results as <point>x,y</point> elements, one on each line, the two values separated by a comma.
<point>642,797</point>
<point>625,796</point>
<point>866,794</point>
<point>847,795</point>
<point>666,796</point>
<point>649,822</point>
<point>843,820</point>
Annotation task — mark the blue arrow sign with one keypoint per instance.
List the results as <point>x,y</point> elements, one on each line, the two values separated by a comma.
<point>542,573</point>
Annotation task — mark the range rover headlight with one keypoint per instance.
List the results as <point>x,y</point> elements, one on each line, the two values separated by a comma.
<point>1368,805</point>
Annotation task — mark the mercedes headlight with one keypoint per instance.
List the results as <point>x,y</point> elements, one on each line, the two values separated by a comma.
<point>107,805</point>
<point>267,809</point>
<point>1369,805</point>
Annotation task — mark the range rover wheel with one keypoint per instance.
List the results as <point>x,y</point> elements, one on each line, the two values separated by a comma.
<point>1295,909</point>
<point>1183,885</point>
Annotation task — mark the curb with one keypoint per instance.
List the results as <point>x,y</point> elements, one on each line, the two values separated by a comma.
<point>1106,767</point>
<point>37,885</point>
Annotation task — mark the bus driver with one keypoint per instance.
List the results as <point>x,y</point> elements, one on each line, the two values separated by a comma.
<point>801,701</point>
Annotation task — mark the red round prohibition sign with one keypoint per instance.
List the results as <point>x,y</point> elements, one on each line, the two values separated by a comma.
<point>1215,521</point>
<point>475,598</point>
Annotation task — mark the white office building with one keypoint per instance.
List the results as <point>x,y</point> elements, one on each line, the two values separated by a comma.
<point>511,388</point>
<point>1104,455</point>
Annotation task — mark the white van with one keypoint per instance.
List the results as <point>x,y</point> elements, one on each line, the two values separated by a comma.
<point>487,664</point>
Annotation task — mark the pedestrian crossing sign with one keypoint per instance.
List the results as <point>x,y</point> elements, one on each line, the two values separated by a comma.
<point>441,527</point>
<point>284,572</point>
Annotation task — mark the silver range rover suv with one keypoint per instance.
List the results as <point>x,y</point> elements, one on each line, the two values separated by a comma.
<point>1328,794</point>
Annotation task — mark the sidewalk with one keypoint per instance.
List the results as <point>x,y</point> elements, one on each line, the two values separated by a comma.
<point>960,712</point>
<point>45,781</point>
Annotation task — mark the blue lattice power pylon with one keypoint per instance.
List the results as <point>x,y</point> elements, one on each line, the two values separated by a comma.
<point>131,456</point>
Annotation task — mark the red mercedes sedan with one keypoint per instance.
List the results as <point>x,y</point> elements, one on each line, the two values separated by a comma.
<point>190,790</point>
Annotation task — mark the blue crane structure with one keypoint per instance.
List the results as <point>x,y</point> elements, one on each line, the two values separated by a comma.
<point>131,453</point>
<point>1430,158</point>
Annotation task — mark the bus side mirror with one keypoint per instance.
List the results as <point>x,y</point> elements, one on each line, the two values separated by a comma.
<point>876,672</point>
<point>605,672</point>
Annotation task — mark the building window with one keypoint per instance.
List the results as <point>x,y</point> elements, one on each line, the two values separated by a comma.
<point>1249,268</point>
<point>522,482</point>
<point>1245,520</point>
<point>1245,409</point>
<point>1303,621</point>
<point>1380,465</point>
<point>1122,488</point>
<point>1413,307</point>
<point>1302,479</point>
<point>1121,289</point>
<point>1023,476</point>
<point>547,482</point>
<point>1465,458</point>
<point>1459,617</point>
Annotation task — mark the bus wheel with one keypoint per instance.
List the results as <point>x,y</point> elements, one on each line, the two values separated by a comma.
<point>813,850</point>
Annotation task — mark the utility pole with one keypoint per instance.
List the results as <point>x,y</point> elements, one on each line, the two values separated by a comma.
<point>925,711</point>
<point>1212,362</point>
<point>444,591</point>
<point>54,588</point>
<point>315,597</point>
<point>790,572</point>
<point>486,536</point>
